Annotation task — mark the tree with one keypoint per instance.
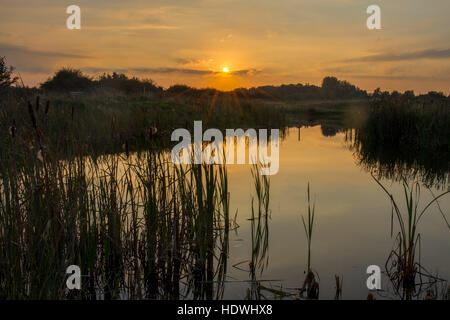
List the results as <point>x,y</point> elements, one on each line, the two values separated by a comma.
<point>330,83</point>
<point>6,75</point>
<point>334,88</point>
<point>68,79</point>
<point>121,82</point>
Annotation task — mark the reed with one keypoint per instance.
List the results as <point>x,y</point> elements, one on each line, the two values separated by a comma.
<point>407,140</point>
<point>403,264</point>
<point>308,225</point>
<point>259,230</point>
<point>137,225</point>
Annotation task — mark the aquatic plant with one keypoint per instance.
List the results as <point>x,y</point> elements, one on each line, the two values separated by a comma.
<point>403,265</point>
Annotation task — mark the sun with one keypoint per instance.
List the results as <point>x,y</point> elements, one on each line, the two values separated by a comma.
<point>225,70</point>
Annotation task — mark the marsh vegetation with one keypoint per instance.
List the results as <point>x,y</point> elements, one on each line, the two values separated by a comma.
<point>88,181</point>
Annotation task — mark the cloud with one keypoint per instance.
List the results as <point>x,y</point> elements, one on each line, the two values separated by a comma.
<point>424,54</point>
<point>247,72</point>
<point>132,28</point>
<point>400,77</point>
<point>168,70</point>
<point>33,61</point>
<point>13,50</point>
<point>174,70</point>
<point>193,62</point>
<point>149,70</point>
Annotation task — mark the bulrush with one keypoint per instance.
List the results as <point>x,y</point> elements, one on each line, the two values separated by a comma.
<point>12,131</point>
<point>32,115</point>
<point>47,107</point>
<point>37,103</point>
<point>40,155</point>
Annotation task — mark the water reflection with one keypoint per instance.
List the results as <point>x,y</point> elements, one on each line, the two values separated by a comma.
<point>141,227</point>
<point>352,227</point>
<point>404,142</point>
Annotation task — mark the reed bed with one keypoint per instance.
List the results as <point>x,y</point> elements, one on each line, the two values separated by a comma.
<point>137,225</point>
<point>260,217</point>
<point>407,140</point>
<point>99,125</point>
<point>138,229</point>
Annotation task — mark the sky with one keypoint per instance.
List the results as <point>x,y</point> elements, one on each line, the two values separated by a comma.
<point>261,42</point>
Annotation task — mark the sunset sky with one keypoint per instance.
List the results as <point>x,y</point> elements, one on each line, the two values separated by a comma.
<point>261,42</point>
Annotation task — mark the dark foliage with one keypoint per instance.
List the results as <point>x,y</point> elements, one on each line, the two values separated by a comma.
<point>120,82</point>
<point>6,75</point>
<point>68,79</point>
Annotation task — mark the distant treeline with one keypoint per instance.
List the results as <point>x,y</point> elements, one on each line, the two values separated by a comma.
<point>331,88</point>
<point>72,80</point>
<point>408,99</point>
<point>69,81</point>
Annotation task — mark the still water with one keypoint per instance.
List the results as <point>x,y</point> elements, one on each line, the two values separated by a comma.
<point>352,228</point>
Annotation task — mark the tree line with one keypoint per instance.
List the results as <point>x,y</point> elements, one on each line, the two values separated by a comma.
<point>68,80</point>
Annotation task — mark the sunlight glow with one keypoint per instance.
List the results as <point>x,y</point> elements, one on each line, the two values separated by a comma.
<point>225,70</point>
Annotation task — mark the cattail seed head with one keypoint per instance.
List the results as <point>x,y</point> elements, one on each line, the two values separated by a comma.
<point>37,103</point>
<point>32,115</point>
<point>40,155</point>
<point>47,107</point>
<point>12,131</point>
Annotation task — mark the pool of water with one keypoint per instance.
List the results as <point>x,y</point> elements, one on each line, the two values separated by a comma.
<point>352,229</point>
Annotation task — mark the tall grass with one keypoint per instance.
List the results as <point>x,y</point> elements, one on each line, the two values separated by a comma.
<point>103,124</point>
<point>260,220</point>
<point>403,265</point>
<point>405,141</point>
<point>259,230</point>
<point>137,225</point>
<point>310,285</point>
<point>308,225</point>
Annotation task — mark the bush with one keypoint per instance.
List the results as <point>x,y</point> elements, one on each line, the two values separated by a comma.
<point>6,75</point>
<point>68,79</point>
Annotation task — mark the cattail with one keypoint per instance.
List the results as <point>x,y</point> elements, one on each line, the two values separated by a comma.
<point>47,107</point>
<point>126,148</point>
<point>113,126</point>
<point>40,155</point>
<point>12,131</point>
<point>37,103</point>
<point>32,115</point>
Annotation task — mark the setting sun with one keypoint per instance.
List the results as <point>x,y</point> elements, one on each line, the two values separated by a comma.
<point>225,70</point>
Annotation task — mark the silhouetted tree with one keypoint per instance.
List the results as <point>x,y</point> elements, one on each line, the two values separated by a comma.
<point>330,85</point>
<point>68,79</point>
<point>6,75</point>
<point>334,88</point>
<point>121,82</point>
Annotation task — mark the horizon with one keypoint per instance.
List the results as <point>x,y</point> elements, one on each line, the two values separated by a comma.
<point>96,77</point>
<point>235,44</point>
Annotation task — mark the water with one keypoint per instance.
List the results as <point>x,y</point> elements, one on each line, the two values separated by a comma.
<point>352,227</point>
